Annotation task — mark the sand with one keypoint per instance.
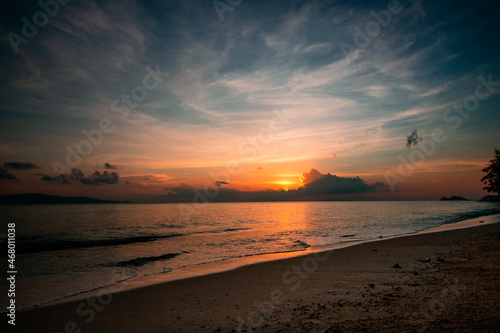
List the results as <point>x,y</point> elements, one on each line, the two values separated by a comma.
<point>447,282</point>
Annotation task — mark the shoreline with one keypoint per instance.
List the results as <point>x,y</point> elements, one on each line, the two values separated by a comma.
<point>122,299</point>
<point>226,265</point>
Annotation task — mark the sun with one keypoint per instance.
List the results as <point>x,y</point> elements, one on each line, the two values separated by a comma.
<point>288,184</point>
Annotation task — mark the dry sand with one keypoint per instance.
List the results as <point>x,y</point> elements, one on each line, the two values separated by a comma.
<point>346,290</point>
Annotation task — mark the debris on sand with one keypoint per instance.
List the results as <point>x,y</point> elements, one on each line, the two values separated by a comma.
<point>425,260</point>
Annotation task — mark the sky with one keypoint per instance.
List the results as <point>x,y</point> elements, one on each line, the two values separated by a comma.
<point>166,101</point>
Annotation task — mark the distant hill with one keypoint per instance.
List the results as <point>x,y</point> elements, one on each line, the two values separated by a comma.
<point>37,198</point>
<point>453,198</point>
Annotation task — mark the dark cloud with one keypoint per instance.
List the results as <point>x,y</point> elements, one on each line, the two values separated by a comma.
<point>62,178</point>
<point>97,178</point>
<point>316,183</point>
<point>182,191</point>
<point>187,193</point>
<point>412,139</point>
<point>105,177</point>
<point>48,178</point>
<point>183,186</point>
<point>312,176</point>
<point>76,174</point>
<point>220,183</point>
<point>20,166</point>
<point>110,166</point>
<point>5,174</point>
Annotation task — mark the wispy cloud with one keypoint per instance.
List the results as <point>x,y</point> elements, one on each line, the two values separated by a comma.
<point>20,165</point>
<point>5,174</point>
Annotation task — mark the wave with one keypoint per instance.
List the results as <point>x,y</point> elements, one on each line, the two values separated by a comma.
<point>144,260</point>
<point>33,246</point>
<point>221,231</point>
<point>76,293</point>
<point>36,245</point>
<point>235,229</point>
<point>470,215</point>
<point>302,244</point>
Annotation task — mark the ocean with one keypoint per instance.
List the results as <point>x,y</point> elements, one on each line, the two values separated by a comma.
<point>63,250</point>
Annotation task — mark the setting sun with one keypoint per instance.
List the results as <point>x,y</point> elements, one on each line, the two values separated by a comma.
<point>286,184</point>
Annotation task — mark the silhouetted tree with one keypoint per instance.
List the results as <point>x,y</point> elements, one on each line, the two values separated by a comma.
<point>492,178</point>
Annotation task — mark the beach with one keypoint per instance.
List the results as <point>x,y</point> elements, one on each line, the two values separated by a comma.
<point>444,281</point>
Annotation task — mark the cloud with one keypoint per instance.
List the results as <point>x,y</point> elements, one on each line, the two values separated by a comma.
<point>317,183</point>
<point>183,190</point>
<point>5,174</point>
<point>48,178</point>
<point>220,183</point>
<point>76,174</point>
<point>20,166</point>
<point>412,139</point>
<point>234,76</point>
<point>188,193</point>
<point>110,166</point>
<point>62,178</point>
<point>105,177</point>
<point>97,178</point>
<point>312,176</point>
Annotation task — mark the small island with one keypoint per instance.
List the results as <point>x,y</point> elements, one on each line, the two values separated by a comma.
<point>491,198</point>
<point>453,198</point>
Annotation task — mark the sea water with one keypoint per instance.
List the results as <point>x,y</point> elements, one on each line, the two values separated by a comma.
<point>63,250</point>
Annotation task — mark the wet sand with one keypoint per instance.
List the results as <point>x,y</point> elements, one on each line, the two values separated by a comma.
<point>437,282</point>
